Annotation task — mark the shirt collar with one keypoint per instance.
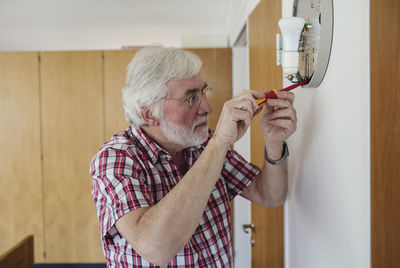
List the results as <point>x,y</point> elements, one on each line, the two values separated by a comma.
<point>153,150</point>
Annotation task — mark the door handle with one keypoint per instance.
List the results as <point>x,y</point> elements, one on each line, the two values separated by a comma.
<point>246,227</point>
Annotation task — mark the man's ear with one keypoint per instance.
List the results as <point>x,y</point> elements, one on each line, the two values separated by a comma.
<point>149,118</point>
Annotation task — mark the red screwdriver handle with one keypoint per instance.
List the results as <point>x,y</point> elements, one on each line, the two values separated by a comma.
<point>272,93</point>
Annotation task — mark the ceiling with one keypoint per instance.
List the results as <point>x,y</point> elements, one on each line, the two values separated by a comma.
<point>108,24</point>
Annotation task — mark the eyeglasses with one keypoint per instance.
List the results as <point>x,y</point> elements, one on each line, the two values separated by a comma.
<point>194,99</point>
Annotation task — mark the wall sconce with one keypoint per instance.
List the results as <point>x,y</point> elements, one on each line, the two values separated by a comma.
<point>304,47</point>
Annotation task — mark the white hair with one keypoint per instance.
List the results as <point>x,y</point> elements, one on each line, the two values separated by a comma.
<point>147,75</point>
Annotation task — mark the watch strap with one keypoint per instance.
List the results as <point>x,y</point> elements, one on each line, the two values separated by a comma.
<point>285,154</point>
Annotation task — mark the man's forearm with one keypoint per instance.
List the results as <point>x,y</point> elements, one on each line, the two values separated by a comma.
<point>166,227</point>
<point>272,181</point>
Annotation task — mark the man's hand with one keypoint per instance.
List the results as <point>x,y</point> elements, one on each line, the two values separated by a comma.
<point>278,119</point>
<point>278,122</point>
<point>236,116</point>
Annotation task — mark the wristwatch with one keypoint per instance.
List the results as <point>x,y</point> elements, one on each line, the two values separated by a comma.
<point>285,154</point>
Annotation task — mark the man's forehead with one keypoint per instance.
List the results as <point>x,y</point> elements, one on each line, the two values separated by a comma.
<point>183,85</point>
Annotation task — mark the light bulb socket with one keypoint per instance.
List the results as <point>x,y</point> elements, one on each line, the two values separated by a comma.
<point>290,63</point>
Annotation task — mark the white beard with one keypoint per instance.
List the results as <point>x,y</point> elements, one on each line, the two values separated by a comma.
<point>185,136</point>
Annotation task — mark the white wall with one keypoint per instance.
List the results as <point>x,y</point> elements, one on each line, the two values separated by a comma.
<point>327,215</point>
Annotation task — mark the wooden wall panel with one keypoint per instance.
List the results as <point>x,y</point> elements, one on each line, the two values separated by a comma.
<point>385,133</point>
<point>20,177</point>
<point>115,64</point>
<point>264,74</point>
<point>72,109</point>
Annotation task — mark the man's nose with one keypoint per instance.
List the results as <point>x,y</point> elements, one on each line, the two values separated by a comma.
<point>204,107</point>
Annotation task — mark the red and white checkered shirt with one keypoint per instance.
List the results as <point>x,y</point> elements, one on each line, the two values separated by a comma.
<point>131,171</point>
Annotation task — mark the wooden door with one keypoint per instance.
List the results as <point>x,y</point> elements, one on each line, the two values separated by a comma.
<point>385,133</point>
<point>264,74</point>
<point>20,178</point>
<point>72,131</point>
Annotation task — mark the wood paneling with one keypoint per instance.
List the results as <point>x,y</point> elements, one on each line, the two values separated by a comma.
<point>20,177</point>
<point>264,74</point>
<point>72,111</point>
<point>217,72</point>
<point>115,64</point>
<point>385,133</point>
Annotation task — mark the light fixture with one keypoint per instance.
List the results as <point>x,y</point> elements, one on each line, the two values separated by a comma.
<point>307,41</point>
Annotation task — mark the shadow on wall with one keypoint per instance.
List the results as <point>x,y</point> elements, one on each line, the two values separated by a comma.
<point>302,140</point>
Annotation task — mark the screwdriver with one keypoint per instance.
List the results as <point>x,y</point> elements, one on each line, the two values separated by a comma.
<point>272,93</point>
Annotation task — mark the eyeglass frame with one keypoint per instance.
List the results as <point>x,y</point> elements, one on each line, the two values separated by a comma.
<point>204,91</point>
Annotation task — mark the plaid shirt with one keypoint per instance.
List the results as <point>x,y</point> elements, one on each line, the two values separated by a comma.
<point>131,171</point>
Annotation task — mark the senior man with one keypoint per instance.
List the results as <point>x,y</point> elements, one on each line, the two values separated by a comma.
<point>162,187</point>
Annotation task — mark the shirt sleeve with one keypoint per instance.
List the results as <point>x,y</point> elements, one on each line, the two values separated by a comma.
<point>118,186</point>
<point>238,173</point>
